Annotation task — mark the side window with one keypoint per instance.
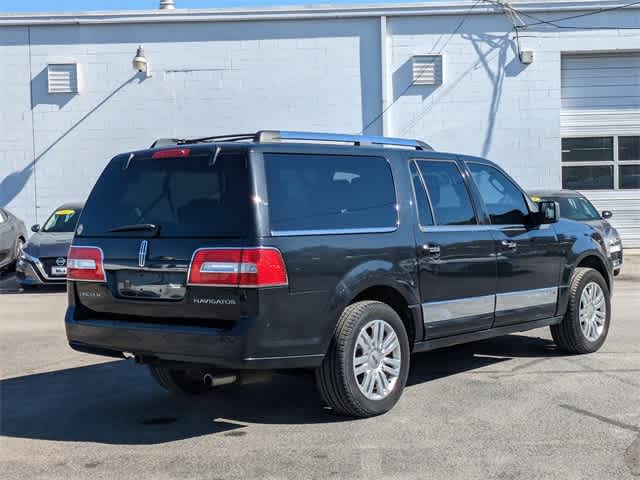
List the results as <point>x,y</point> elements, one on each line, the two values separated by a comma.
<point>504,201</point>
<point>3,218</point>
<point>449,196</point>
<point>422,203</point>
<point>329,192</point>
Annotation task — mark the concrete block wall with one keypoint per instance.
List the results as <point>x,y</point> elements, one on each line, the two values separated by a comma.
<point>489,104</point>
<point>321,74</point>
<point>17,181</point>
<point>207,79</point>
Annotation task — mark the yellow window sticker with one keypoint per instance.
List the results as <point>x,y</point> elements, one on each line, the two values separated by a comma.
<point>65,212</point>
<point>535,198</point>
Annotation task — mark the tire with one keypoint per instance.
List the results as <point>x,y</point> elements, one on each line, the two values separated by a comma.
<point>180,381</point>
<point>569,335</point>
<point>337,381</point>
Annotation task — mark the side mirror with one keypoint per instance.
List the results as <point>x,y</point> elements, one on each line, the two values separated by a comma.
<point>548,212</point>
<point>35,228</point>
<point>606,214</point>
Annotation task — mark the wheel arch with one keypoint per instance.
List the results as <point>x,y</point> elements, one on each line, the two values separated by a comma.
<point>399,303</point>
<point>594,261</point>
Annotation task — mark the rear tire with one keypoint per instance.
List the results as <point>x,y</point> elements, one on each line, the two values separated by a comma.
<point>356,387</point>
<point>585,325</point>
<point>177,380</point>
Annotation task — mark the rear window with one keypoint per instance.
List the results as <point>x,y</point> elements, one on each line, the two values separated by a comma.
<point>185,197</point>
<point>330,192</point>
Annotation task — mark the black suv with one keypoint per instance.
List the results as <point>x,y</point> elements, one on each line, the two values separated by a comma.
<point>219,259</point>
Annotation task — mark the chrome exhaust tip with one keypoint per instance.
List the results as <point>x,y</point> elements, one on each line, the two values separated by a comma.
<point>218,380</point>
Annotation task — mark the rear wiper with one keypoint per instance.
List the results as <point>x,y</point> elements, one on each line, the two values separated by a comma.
<point>136,227</point>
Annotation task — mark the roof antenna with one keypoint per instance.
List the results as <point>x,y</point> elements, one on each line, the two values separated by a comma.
<point>167,5</point>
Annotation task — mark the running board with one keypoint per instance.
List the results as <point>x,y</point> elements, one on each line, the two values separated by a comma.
<point>483,334</point>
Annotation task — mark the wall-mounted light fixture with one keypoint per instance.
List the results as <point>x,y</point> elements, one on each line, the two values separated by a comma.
<point>140,62</point>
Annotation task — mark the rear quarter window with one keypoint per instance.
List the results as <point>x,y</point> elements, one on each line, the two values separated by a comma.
<point>330,192</point>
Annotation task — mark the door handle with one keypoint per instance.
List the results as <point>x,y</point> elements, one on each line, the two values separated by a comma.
<point>509,244</point>
<point>431,250</point>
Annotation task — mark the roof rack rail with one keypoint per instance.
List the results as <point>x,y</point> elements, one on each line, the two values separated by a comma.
<point>279,135</point>
<point>269,136</point>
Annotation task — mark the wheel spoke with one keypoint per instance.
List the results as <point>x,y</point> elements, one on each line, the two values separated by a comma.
<point>364,341</point>
<point>381,336</point>
<point>394,362</point>
<point>394,372</point>
<point>384,380</point>
<point>357,361</point>
<point>375,333</point>
<point>593,329</point>
<point>386,350</point>
<point>371,383</point>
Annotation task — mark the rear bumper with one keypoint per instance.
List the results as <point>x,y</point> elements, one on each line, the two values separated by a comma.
<point>228,348</point>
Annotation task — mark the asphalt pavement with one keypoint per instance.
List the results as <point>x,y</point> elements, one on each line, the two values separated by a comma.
<point>505,408</point>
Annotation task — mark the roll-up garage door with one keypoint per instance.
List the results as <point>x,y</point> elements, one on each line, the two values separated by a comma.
<point>600,129</point>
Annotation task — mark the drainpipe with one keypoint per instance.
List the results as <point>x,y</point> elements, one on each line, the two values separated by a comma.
<point>385,79</point>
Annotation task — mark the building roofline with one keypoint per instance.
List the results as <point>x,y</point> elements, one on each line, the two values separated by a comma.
<point>445,7</point>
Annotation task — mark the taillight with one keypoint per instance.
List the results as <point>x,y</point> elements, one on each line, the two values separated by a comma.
<point>238,267</point>
<point>86,264</point>
<point>172,153</point>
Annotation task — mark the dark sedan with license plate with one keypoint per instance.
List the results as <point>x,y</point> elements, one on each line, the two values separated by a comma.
<point>575,206</point>
<point>44,258</point>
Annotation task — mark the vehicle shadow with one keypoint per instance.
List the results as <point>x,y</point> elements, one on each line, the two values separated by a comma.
<point>118,402</point>
<point>9,285</point>
<point>445,362</point>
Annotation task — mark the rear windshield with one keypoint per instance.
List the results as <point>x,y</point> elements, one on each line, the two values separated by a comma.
<point>330,192</point>
<point>184,197</point>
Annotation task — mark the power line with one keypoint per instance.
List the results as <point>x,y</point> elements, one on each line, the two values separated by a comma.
<point>540,21</point>
<point>593,12</point>
<point>386,109</point>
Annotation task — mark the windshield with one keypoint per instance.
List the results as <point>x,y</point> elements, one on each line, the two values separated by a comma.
<point>576,208</point>
<point>178,197</point>
<point>62,221</point>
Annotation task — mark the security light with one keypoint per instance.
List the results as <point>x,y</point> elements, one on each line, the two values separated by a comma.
<point>140,62</point>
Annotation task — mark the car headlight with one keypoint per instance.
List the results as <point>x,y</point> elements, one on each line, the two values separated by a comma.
<point>25,256</point>
<point>613,243</point>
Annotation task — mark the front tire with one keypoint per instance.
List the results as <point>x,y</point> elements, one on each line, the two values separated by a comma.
<point>181,381</point>
<point>366,368</point>
<point>585,325</point>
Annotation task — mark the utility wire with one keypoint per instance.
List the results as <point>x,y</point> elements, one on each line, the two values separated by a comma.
<point>458,27</point>
<point>593,12</point>
<point>540,21</point>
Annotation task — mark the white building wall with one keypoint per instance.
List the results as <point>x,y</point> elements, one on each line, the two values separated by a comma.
<point>208,78</point>
<point>319,74</point>
<point>17,181</point>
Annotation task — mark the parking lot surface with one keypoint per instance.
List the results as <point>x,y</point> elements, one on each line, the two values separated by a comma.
<point>511,407</point>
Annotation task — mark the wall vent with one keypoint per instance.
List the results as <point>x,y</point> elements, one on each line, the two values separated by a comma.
<point>62,77</point>
<point>426,69</point>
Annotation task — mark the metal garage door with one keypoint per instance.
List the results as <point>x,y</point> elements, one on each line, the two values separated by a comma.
<point>600,129</point>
